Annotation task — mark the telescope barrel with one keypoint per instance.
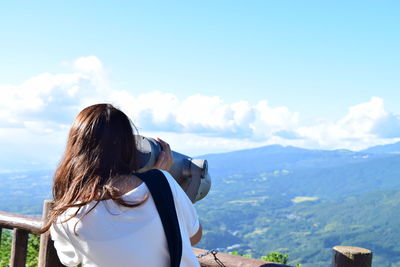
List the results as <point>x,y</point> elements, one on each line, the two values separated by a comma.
<point>191,174</point>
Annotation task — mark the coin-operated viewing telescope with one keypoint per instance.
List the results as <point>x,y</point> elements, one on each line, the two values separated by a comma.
<point>191,174</point>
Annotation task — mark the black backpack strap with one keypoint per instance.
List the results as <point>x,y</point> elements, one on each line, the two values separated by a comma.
<point>161,192</point>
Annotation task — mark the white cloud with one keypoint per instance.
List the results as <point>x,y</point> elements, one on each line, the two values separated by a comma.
<point>271,120</point>
<point>361,118</point>
<point>364,125</point>
<point>44,106</point>
<point>90,64</point>
<point>207,115</point>
<point>54,98</point>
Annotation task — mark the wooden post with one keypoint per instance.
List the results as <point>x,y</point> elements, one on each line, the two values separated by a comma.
<point>344,256</point>
<point>47,253</point>
<point>19,248</point>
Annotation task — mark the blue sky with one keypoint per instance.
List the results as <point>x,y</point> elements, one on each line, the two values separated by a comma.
<point>235,74</point>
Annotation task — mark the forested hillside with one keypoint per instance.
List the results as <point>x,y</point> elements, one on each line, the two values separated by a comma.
<point>253,216</point>
<point>303,202</point>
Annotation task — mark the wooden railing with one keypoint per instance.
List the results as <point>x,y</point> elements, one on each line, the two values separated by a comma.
<point>22,226</point>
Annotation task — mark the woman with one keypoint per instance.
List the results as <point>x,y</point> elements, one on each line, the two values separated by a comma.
<point>103,215</point>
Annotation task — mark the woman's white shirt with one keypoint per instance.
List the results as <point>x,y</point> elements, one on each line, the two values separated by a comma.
<point>117,236</point>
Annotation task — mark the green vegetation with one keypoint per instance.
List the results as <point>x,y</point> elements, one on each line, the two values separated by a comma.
<point>271,257</point>
<point>276,257</point>
<point>5,249</point>
<point>255,217</point>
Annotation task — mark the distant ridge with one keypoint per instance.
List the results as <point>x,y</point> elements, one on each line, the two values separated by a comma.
<point>390,148</point>
<point>277,157</point>
<point>271,149</point>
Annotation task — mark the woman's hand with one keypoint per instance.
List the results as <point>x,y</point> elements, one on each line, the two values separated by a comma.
<point>165,159</point>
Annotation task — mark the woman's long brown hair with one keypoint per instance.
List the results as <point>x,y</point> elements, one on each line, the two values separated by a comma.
<point>101,147</point>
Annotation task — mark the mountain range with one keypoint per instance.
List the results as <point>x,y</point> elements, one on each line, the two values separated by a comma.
<point>303,202</point>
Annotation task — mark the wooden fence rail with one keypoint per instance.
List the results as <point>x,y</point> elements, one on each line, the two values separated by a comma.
<point>22,226</point>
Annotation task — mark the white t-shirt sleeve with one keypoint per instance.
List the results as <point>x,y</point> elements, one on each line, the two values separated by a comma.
<point>184,207</point>
<point>65,251</point>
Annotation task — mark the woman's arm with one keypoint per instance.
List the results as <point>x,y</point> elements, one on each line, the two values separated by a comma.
<point>197,236</point>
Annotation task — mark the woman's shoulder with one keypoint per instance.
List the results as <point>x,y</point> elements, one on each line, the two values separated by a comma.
<point>73,214</point>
